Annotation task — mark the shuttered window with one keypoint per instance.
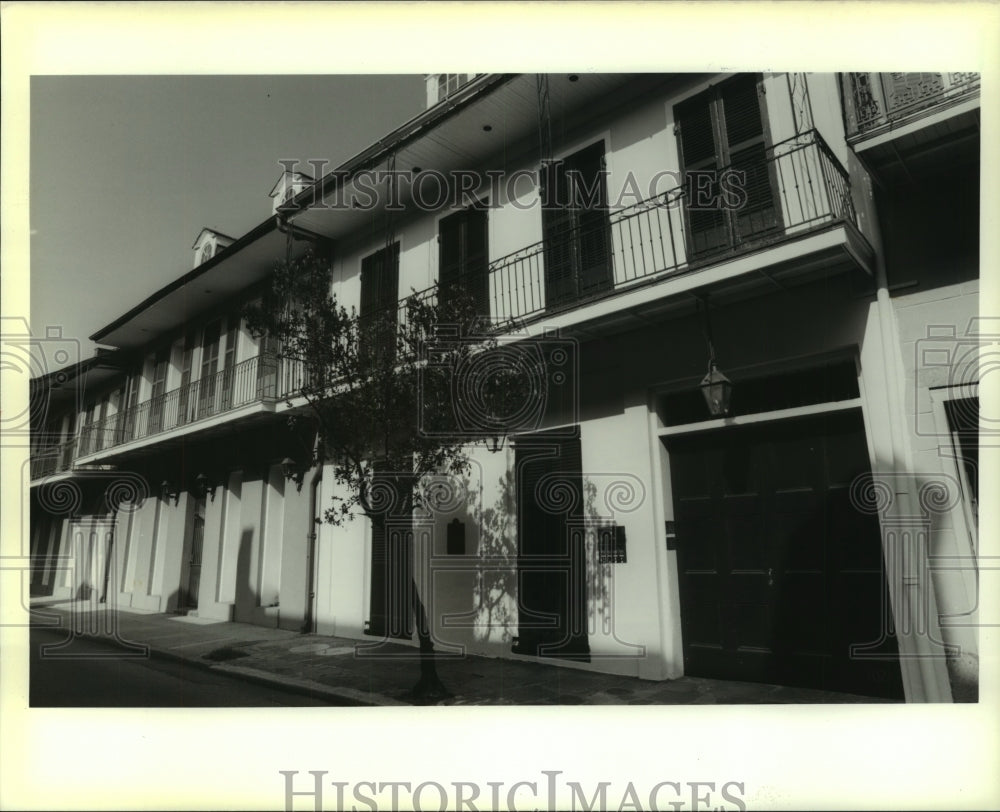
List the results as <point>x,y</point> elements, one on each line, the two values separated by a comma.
<point>379,303</point>
<point>575,227</point>
<point>160,364</point>
<point>723,129</point>
<point>463,258</point>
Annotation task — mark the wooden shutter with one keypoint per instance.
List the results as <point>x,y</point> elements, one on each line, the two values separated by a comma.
<point>746,151</point>
<point>586,180</point>
<point>575,227</point>
<point>463,256</point>
<point>379,302</point>
<point>723,128</point>
<point>700,152</point>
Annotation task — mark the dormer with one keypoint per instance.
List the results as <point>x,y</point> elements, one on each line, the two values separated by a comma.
<point>208,244</point>
<point>441,85</point>
<point>288,185</point>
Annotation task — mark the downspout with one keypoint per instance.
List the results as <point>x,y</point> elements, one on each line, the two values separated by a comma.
<point>311,536</point>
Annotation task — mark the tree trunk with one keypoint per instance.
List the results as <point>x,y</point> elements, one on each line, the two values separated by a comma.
<point>429,689</point>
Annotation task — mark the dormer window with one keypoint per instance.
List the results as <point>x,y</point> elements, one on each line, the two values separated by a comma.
<point>206,252</point>
<point>289,194</point>
<point>448,83</point>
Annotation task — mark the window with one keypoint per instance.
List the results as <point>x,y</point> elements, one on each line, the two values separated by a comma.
<point>464,262</point>
<point>156,397</point>
<point>128,399</point>
<point>448,83</point>
<point>379,303</point>
<point>206,252</point>
<point>575,227</point>
<point>209,368</point>
<point>719,129</point>
<point>184,399</point>
<point>229,361</point>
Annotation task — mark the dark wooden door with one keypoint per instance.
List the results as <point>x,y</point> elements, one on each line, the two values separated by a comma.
<point>390,606</point>
<point>779,573</point>
<point>551,568</point>
<point>193,585</point>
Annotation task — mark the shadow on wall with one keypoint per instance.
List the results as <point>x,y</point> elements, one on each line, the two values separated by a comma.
<point>474,601</point>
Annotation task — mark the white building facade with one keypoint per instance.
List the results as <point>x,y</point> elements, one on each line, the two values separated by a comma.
<point>792,226</point>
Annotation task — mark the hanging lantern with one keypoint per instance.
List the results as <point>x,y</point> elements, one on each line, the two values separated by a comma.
<point>718,391</point>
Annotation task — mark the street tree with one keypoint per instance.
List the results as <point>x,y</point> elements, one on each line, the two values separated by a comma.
<point>382,389</point>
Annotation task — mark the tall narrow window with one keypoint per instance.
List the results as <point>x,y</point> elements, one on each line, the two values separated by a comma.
<point>184,394</point>
<point>128,400</point>
<point>209,368</point>
<point>379,304</point>
<point>156,397</point>
<point>464,264</point>
<point>229,364</point>
<point>723,129</point>
<point>575,227</point>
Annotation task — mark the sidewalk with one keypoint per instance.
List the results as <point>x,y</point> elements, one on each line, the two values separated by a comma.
<point>330,666</point>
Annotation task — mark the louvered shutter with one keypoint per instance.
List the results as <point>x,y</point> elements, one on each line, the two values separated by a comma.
<point>700,152</point>
<point>464,258</point>
<point>557,232</point>
<point>476,260</point>
<point>746,151</point>
<point>590,202</point>
<point>379,298</point>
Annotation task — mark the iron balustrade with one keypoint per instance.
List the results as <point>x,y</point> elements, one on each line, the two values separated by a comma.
<point>53,459</point>
<point>874,100</point>
<point>258,379</point>
<point>805,187</point>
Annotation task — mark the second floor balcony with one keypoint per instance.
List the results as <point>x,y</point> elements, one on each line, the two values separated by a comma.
<point>259,381</point>
<point>875,102</point>
<point>791,191</point>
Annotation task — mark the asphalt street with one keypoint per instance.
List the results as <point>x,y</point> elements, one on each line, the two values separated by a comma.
<point>98,676</point>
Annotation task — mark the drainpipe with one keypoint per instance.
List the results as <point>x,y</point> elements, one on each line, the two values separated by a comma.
<point>314,483</point>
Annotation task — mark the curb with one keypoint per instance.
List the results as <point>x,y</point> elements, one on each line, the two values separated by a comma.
<point>258,676</point>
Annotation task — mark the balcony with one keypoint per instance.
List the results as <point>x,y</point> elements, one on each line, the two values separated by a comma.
<point>873,101</point>
<point>263,379</point>
<point>797,190</point>
<point>52,459</point>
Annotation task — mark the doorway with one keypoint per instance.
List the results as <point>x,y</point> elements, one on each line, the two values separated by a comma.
<point>779,574</point>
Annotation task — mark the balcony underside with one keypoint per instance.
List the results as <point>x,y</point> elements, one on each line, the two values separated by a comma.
<point>239,419</point>
<point>797,260</point>
<point>919,147</point>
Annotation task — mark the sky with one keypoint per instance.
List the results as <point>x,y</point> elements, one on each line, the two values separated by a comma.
<point>125,171</point>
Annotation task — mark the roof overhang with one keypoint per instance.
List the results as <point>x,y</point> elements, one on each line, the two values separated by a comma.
<point>493,121</point>
<point>208,287</point>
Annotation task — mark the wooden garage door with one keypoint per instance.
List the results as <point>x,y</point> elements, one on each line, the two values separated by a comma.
<point>779,574</point>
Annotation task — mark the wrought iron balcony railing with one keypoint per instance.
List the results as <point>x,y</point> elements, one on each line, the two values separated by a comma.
<point>875,100</point>
<point>262,378</point>
<point>52,459</point>
<point>791,188</point>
